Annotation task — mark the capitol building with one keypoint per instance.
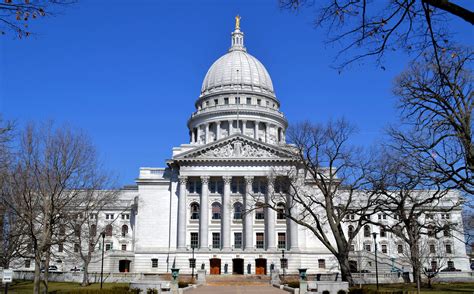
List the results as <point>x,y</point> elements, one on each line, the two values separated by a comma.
<point>197,206</point>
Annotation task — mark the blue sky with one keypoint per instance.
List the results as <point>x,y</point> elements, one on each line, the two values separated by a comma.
<point>128,72</point>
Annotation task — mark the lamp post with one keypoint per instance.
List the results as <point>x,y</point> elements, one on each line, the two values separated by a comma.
<point>283,263</point>
<point>102,265</point>
<point>376,265</point>
<point>193,264</point>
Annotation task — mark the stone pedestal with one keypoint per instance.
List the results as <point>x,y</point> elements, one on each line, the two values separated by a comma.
<point>201,277</point>
<point>275,277</point>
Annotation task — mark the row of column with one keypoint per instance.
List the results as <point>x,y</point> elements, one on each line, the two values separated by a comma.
<point>270,216</point>
<point>195,135</point>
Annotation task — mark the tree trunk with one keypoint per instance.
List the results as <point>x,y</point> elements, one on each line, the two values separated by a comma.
<point>37,279</point>
<point>415,262</point>
<point>46,271</point>
<point>85,276</point>
<point>346,274</point>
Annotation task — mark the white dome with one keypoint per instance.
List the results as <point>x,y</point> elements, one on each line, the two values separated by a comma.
<point>237,70</point>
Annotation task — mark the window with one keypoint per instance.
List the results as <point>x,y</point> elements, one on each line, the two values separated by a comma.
<point>267,103</point>
<point>259,212</point>
<point>281,185</point>
<point>216,185</point>
<point>238,240</point>
<point>124,247</point>
<point>27,263</point>
<point>367,231</point>
<point>400,248</point>
<point>194,186</point>
<point>62,230</point>
<point>216,210</point>
<point>429,231</point>
<point>108,230</point>
<point>216,240</point>
<point>60,247</point>
<point>367,247</point>
<point>93,216</point>
<point>125,216</point>
<point>124,230</point>
<point>434,265</point>
<point>447,231</point>
<point>108,246</point>
<point>154,262</point>
<point>77,230</point>
<point>260,240</point>
<point>259,102</point>
<point>76,248</point>
<point>280,210</point>
<point>226,101</point>
<point>194,210</point>
<point>322,263</point>
<point>448,249</point>
<point>238,210</point>
<point>249,100</point>
<point>384,216</point>
<point>237,100</point>
<point>207,103</point>
<point>451,265</point>
<point>93,230</point>
<point>432,248</point>
<point>350,231</point>
<point>384,248</point>
<point>383,233</point>
<point>237,185</point>
<point>281,240</point>
<point>429,216</point>
<point>216,102</point>
<point>380,216</point>
<point>259,186</point>
<point>194,240</point>
<point>445,216</point>
<point>109,216</point>
<point>352,247</point>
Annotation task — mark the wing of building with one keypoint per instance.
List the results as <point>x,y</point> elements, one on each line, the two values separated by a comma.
<point>194,206</point>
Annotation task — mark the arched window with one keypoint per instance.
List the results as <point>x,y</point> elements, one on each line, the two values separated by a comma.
<point>108,230</point>
<point>216,210</point>
<point>124,230</point>
<point>350,231</point>
<point>238,210</point>
<point>367,231</point>
<point>194,210</point>
<point>280,210</point>
<point>93,230</point>
<point>259,212</point>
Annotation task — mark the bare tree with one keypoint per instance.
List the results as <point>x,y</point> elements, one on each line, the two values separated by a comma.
<point>17,15</point>
<point>374,28</point>
<point>436,104</point>
<point>412,202</point>
<point>326,187</point>
<point>53,167</point>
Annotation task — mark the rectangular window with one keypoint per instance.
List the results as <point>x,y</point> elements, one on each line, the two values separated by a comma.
<point>449,249</point>
<point>352,247</point>
<point>238,240</point>
<point>434,265</point>
<point>226,101</point>
<point>400,248</point>
<point>259,102</point>
<point>207,103</point>
<point>60,247</point>
<point>216,240</point>
<point>154,262</point>
<point>367,247</point>
<point>124,247</point>
<point>194,240</point>
<point>321,263</point>
<point>281,240</point>
<point>447,232</point>
<point>260,240</point>
<point>451,265</point>
<point>380,216</point>
<point>76,248</point>
<point>237,100</point>
<point>384,248</point>
<point>109,216</point>
<point>108,246</point>
<point>249,100</point>
<point>93,216</point>
<point>125,216</point>
<point>432,248</point>
<point>216,102</point>
<point>383,233</point>
<point>27,263</point>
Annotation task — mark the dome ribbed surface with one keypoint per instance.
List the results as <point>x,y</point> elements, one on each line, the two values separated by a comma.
<point>237,70</point>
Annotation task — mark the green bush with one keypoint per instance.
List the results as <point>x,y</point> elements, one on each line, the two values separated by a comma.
<point>341,292</point>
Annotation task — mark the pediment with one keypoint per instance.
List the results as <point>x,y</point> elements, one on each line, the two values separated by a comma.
<point>236,147</point>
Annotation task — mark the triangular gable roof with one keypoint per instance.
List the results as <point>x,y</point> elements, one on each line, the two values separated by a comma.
<point>236,148</point>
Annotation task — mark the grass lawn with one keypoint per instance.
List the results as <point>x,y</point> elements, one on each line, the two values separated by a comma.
<point>61,287</point>
<point>438,288</point>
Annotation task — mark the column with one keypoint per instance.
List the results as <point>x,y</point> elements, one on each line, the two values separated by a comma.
<point>198,139</point>
<point>269,217</point>
<point>256,123</point>
<point>226,214</point>
<point>244,126</point>
<point>231,127</point>
<point>218,130</point>
<point>248,215</point>
<point>207,134</point>
<point>204,216</point>
<point>291,226</point>
<point>182,212</point>
<point>266,132</point>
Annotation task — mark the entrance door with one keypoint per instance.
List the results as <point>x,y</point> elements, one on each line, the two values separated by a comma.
<point>353,266</point>
<point>124,266</point>
<point>260,266</point>
<point>238,266</point>
<point>215,266</point>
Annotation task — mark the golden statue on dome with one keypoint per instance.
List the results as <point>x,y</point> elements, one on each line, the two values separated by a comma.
<point>237,22</point>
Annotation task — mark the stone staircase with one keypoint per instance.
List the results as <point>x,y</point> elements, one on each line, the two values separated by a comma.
<point>238,280</point>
